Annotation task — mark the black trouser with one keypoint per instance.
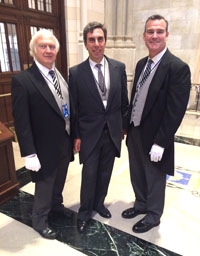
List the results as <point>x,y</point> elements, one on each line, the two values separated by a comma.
<point>48,192</point>
<point>96,174</point>
<point>148,182</point>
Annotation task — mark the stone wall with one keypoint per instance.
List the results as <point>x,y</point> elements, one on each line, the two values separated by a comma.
<point>126,19</point>
<point>78,13</point>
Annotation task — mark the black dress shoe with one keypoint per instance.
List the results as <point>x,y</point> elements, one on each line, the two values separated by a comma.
<point>81,225</point>
<point>48,233</point>
<point>104,212</point>
<point>131,213</point>
<point>143,226</point>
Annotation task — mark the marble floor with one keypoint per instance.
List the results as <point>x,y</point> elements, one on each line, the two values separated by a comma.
<point>178,233</point>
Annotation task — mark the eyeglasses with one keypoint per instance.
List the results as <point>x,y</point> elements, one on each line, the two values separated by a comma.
<point>158,31</point>
<point>44,46</point>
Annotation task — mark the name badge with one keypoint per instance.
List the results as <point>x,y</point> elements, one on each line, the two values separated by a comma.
<point>65,110</point>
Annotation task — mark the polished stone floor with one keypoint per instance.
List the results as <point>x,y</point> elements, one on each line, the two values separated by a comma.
<point>178,233</point>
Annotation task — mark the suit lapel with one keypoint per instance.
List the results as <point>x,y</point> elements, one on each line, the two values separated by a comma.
<point>41,85</point>
<point>90,82</point>
<point>113,81</point>
<point>138,71</point>
<point>89,77</point>
<point>156,83</point>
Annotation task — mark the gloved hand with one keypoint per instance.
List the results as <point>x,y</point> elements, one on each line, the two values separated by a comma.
<point>156,153</point>
<point>32,163</point>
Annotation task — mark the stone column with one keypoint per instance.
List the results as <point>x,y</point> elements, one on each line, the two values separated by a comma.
<point>119,23</point>
<point>83,54</point>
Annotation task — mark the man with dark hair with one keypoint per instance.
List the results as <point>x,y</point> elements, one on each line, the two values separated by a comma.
<point>99,89</point>
<point>158,102</point>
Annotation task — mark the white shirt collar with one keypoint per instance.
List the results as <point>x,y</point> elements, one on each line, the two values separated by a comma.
<point>92,63</point>
<point>158,57</point>
<point>44,70</point>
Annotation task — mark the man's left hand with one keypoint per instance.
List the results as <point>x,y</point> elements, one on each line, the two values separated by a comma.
<point>156,153</point>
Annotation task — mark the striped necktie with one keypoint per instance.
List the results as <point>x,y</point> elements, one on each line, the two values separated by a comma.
<point>146,73</point>
<point>55,83</point>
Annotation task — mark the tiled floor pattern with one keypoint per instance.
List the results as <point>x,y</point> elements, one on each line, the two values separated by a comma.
<point>100,239</point>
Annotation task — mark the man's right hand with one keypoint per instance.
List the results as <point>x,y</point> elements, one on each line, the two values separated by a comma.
<point>32,163</point>
<point>77,145</point>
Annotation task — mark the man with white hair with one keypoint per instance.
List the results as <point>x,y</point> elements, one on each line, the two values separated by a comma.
<point>42,113</point>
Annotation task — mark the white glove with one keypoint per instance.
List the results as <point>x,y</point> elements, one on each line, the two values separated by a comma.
<point>32,163</point>
<point>156,153</point>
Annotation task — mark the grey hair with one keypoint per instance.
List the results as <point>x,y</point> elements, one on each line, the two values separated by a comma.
<point>156,17</point>
<point>42,33</point>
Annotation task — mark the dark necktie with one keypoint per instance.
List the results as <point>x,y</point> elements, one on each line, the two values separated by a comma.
<point>101,81</point>
<point>146,73</point>
<point>55,83</point>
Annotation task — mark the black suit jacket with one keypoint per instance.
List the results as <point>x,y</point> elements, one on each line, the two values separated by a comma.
<point>91,116</point>
<point>165,106</point>
<point>39,124</point>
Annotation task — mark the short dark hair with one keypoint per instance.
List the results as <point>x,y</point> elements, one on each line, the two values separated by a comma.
<point>91,26</point>
<point>156,17</point>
